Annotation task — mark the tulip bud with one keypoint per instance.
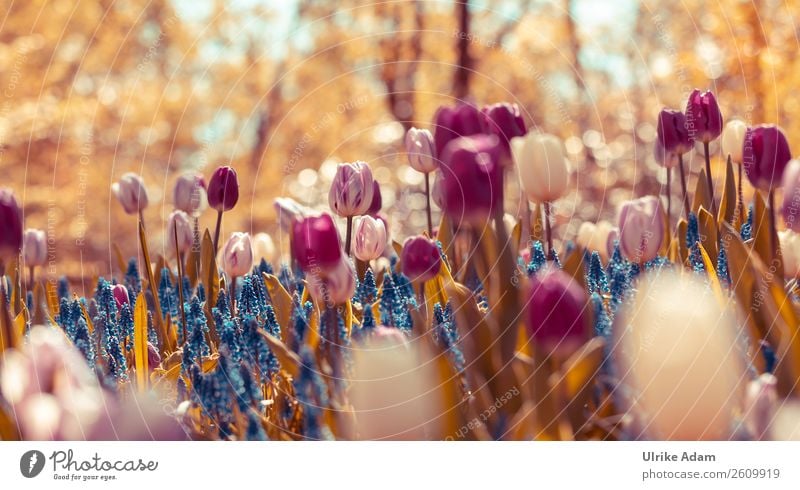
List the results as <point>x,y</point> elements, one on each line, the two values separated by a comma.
<point>558,314</point>
<point>237,255</point>
<point>120,295</point>
<point>370,238</point>
<point>450,123</point>
<point>189,194</point>
<point>288,211</point>
<point>263,248</point>
<point>543,169</point>
<point>733,139</point>
<point>351,189</point>
<point>673,137</point>
<point>760,404</point>
<point>335,286</point>
<point>131,192</point>
<point>703,117</point>
<point>504,121</point>
<point>180,220</point>
<point>420,149</point>
<point>10,226</point>
<point>223,189</point>
<point>598,237</point>
<point>765,154</point>
<point>377,199</point>
<point>790,252</point>
<point>34,247</point>
<point>677,349</point>
<point>473,178</point>
<point>641,229</point>
<point>420,258</point>
<point>315,243</point>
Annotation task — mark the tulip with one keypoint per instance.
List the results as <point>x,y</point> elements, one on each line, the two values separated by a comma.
<point>598,237</point>
<point>377,199</point>
<point>315,243</point>
<point>732,145</point>
<point>704,123</point>
<point>189,194</point>
<point>504,121</point>
<point>791,195</point>
<point>672,330</point>
<point>179,220</point>
<point>131,193</point>
<point>672,142</point>
<point>765,154</point>
<point>790,252</point>
<point>451,123</point>
<point>223,194</point>
<point>641,229</point>
<point>472,186</point>
<point>420,259</point>
<point>288,211</point>
<point>437,191</point>
<point>351,194</point>
<point>10,228</point>
<point>237,256</point>
<point>120,295</point>
<point>263,248</point>
<point>421,157</point>
<point>543,172</point>
<point>335,286</point>
<point>34,249</point>
<point>760,403</point>
<point>558,315</point>
<point>370,238</point>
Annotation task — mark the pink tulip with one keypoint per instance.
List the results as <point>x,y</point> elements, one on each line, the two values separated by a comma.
<point>189,194</point>
<point>131,193</point>
<point>180,220</point>
<point>34,247</point>
<point>237,255</point>
<point>120,295</point>
<point>351,190</point>
<point>335,286</point>
<point>641,229</point>
<point>420,258</point>
<point>370,238</point>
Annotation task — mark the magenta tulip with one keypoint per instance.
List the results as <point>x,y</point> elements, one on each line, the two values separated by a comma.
<point>557,312</point>
<point>472,187</point>
<point>120,295</point>
<point>450,123</point>
<point>223,189</point>
<point>315,243</point>
<point>703,117</point>
<point>765,155</point>
<point>420,258</point>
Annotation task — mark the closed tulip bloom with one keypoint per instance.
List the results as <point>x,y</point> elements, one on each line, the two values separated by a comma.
<point>558,316</point>
<point>765,154</point>
<point>10,226</point>
<point>791,195</point>
<point>597,237</point>
<point>180,220</point>
<point>450,123</point>
<point>733,139</point>
<point>472,186</point>
<point>790,253</point>
<point>120,295</point>
<point>288,211</point>
<point>760,403</point>
<point>437,189</point>
<point>673,137</point>
<point>421,150</point>
<point>335,286</point>
<point>543,169</point>
<point>315,242</point>
<point>351,189</point>
<point>703,117</point>
<point>420,258</point>
<point>504,121</point>
<point>34,247</point>
<point>263,248</point>
<point>189,194</point>
<point>370,238</point>
<point>377,199</point>
<point>641,229</point>
<point>131,193</point>
<point>223,189</point>
<point>237,255</point>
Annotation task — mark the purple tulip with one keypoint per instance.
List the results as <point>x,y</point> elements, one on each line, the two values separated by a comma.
<point>223,189</point>
<point>557,312</point>
<point>791,196</point>
<point>673,137</point>
<point>10,226</point>
<point>450,123</point>
<point>189,194</point>
<point>420,258</point>
<point>120,295</point>
<point>765,155</point>
<point>641,229</point>
<point>131,192</point>
<point>703,117</point>
<point>504,121</point>
<point>421,150</point>
<point>377,199</point>
<point>315,243</point>
<point>351,190</point>
<point>472,188</point>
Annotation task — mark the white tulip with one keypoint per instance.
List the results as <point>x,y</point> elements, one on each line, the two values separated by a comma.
<point>543,169</point>
<point>597,237</point>
<point>237,255</point>
<point>733,139</point>
<point>263,247</point>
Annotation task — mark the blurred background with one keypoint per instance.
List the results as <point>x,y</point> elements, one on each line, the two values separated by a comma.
<point>284,89</point>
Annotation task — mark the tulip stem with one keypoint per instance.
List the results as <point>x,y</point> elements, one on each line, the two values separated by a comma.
<point>669,203</point>
<point>709,180</point>
<point>686,206</point>
<point>179,256</point>
<point>548,230</point>
<point>740,205</point>
<point>217,230</point>
<point>773,234</point>
<point>348,236</point>
<point>428,203</point>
